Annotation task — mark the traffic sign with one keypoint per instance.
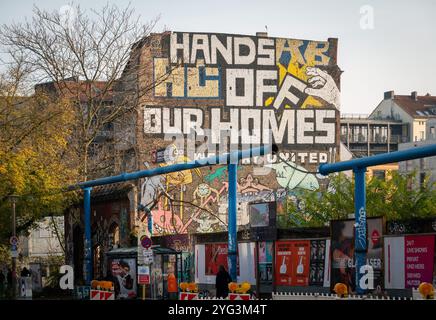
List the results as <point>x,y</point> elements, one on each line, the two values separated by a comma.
<point>13,240</point>
<point>148,256</point>
<point>146,242</point>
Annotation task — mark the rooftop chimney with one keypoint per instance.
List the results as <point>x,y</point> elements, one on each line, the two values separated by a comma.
<point>389,95</point>
<point>262,34</point>
<point>414,95</point>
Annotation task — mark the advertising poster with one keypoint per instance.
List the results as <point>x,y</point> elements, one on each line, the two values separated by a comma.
<point>327,264</point>
<point>374,254</point>
<point>292,262</point>
<point>342,251</point>
<point>300,263</point>
<point>394,262</point>
<point>317,262</point>
<point>283,263</point>
<point>419,260</point>
<point>124,270</point>
<point>265,251</point>
<point>216,255</point>
<point>265,261</point>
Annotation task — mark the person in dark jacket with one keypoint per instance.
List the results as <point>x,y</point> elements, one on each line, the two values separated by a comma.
<point>222,282</point>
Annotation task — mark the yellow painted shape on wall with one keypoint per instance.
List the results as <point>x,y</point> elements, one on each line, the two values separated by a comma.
<point>180,177</point>
<point>161,79</point>
<point>298,64</point>
<point>210,90</point>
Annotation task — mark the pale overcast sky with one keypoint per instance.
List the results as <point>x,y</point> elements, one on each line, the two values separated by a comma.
<point>398,53</point>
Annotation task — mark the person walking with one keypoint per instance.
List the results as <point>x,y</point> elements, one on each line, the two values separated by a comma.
<point>222,282</point>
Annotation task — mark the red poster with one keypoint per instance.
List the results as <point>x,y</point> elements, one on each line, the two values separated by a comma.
<point>283,263</point>
<point>292,263</point>
<point>300,263</point>
<point>419,255</point>
<point>216,255</point>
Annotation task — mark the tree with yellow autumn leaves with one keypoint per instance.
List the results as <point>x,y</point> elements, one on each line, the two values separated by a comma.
<point>35,162</point>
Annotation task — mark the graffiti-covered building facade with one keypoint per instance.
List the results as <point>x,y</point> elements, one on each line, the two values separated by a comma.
<point>203,94</point>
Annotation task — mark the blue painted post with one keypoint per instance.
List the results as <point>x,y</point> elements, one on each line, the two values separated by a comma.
<point>88,245</point>
<point>150,223</point>
<point>232,249</point>
<point>360,235</point>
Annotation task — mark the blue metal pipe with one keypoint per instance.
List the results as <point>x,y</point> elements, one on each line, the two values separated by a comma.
<point>88,244</point>
<point>360,232</point>
<point>403,155</point>
<point>227,158</point>
<point>232,229</point>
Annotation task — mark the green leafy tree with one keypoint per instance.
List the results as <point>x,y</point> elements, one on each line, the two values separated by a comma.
<point>400,196</point>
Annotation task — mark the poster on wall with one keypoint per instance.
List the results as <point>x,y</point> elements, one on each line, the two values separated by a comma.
<point>374,254</point>
<point>409,260</point>
<point>419,260</point>
<point>317,262</point>
<point>283,272</point>
<point>124,270</point>
<point>292,262</point>
<point>216,255</point>
<point>300,263</point>
<point>265,261</point>
<point>394,262</point>
<point>342,251</point>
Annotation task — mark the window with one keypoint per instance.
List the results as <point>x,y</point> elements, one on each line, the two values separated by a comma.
<point>44,233</point>
<point>421,135</point>
<point>432,132</point>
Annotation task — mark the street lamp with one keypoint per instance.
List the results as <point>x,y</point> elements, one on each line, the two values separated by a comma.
<point>13,199</point>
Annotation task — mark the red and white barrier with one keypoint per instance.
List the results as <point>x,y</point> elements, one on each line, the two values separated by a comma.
<point>188,296</point>
<point>238,296</point>
<point>102,295</point>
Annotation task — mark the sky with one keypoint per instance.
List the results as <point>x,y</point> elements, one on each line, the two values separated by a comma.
<point>383,45</point>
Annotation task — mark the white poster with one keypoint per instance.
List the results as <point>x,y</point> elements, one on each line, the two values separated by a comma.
<point>327,264</point>
<point>394,262</point>
<point>247,262</point>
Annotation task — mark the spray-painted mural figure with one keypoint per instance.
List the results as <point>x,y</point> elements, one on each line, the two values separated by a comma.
<point>291,176</point>
<point>252,89</point>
